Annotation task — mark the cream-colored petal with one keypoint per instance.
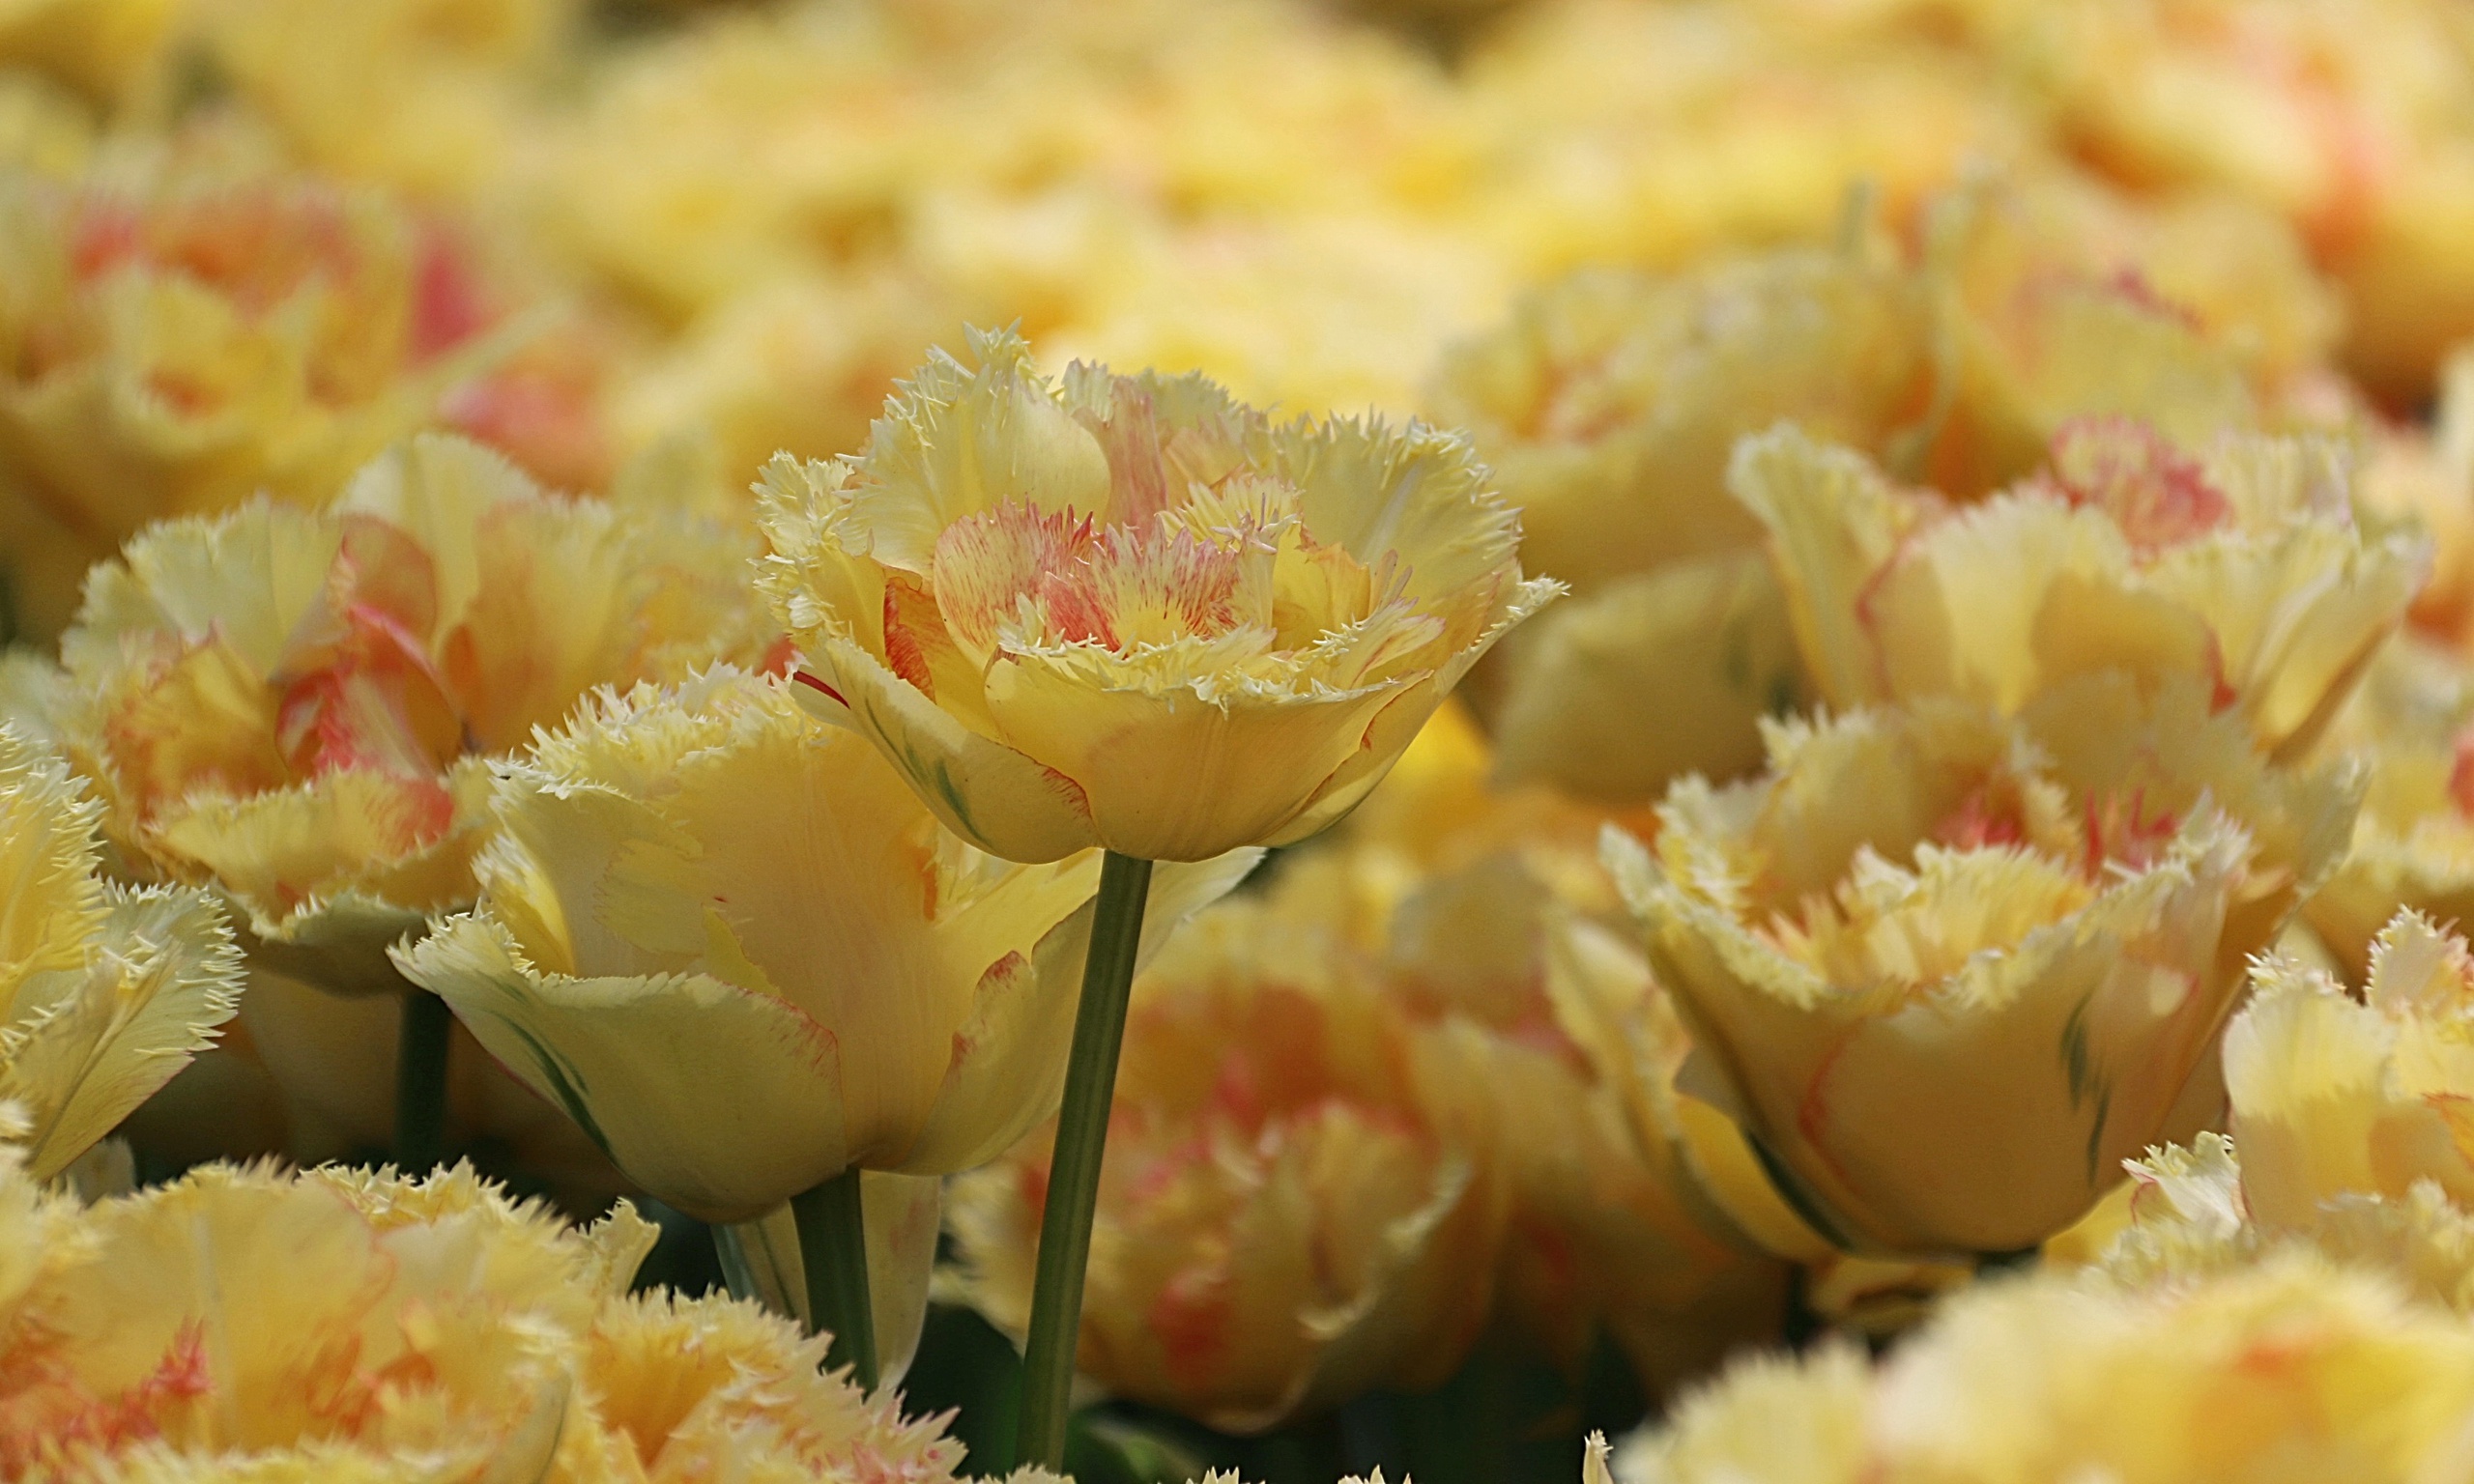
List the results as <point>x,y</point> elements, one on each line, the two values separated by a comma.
<point>83,1047</point>
<point>1175,776</point>
<point>1649,678</point>
<point>742,1112</point>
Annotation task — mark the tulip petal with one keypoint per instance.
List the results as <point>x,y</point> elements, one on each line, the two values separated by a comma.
<point>744,1104</point>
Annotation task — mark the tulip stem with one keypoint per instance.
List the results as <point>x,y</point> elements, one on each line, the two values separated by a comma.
<point>833,1253</point>
<point>420,1081</point>
<point>1074,1172</point>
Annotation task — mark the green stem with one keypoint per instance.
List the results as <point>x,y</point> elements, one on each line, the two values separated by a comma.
<point>420,1082</point>
<point>1073,1173</point>
<point>833,1252</point>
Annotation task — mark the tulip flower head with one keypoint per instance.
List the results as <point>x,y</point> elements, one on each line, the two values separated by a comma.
<point>834,979</point>
<point>2333,1094</point>
<point>2243,569</point>
<point>1285,1219</point>
<point>176,345</point>
<point>240,1311</point>
<point>294,706</point>
<point>2292,1369</point>
<point>1948,971</point>
<point>106,990</point>
<point>1128,611</point>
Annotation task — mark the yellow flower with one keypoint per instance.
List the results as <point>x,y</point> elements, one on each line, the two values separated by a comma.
<point>1285,1218</point>
<point>684,1390</point>
<point>239,1311</point>
<point>2242,569</point>
<point>1494,925</point>
<point>176,343</point>
<point>1612,696</point>
<point>1947,971</point>
<point>1127,612</point>
<point>2412,725</point>
<point>106,990</point>
<point>2292,1371</point>
<point>1608,404</point>
<point>834,979</point>
<point>2426,475</point>
<point>2332,1095</point>
<point>295,706</point>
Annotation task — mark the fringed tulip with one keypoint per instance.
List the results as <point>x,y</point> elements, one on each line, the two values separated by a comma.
<point>106,990</point>
<point>1286,1219</point>
<point>2243,567</point>
<point>836,981</point>
<point>1127,612</point>
<point>1947,971</point>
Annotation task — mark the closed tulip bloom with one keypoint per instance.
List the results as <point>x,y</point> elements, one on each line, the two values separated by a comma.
<point>834,979</point>
<point>106,990</point>
<point>1287,1218</point>
<point>2243,567</point>
<point>1127,612</point>
<point>1947,971</point>
<point>292,706</point>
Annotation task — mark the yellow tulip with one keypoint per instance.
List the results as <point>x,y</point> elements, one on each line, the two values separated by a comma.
<point>106,990</point>
<point>1609,403</point>
<point>2243,568</point>
<point>1127,612</point>
<point>1494,925</point>
<point>1947,971</point>
<point>1285,1217</point>
<point>2290,1371</point>
<point>835,980</point>
<point>2190,1215</point>
<point>246,1312</point>
<point>684,1390</point>
<point>1611,696</point>
<point>180,343</point>
<point>2426,475</point>
<point>294,706</point>
<point>2334,1096</point>
<point>2413,846</point>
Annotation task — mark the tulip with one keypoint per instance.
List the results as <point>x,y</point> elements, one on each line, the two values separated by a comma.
<point>2190,1215</point>
<point>2333,1095</point>
<point>240,1311</point>
<point>1947,971</point>
<point>2409,726</point>
<point>1285,1217</point>
<point>2244,567</point>
<point>106,990</point>
<point>183,338</point>
<point>293,707</point>
<point>1128,611</point>
<point>1490,921</point>
<point>2294,1368</point>
<point>838,983</point>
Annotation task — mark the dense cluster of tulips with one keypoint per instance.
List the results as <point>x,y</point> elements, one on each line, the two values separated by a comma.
<point>1405,729</point>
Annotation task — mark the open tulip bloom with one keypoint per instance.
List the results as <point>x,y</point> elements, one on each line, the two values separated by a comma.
<point>836,981</point>
<point>1948,972</point>
<point>1129,611</point>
